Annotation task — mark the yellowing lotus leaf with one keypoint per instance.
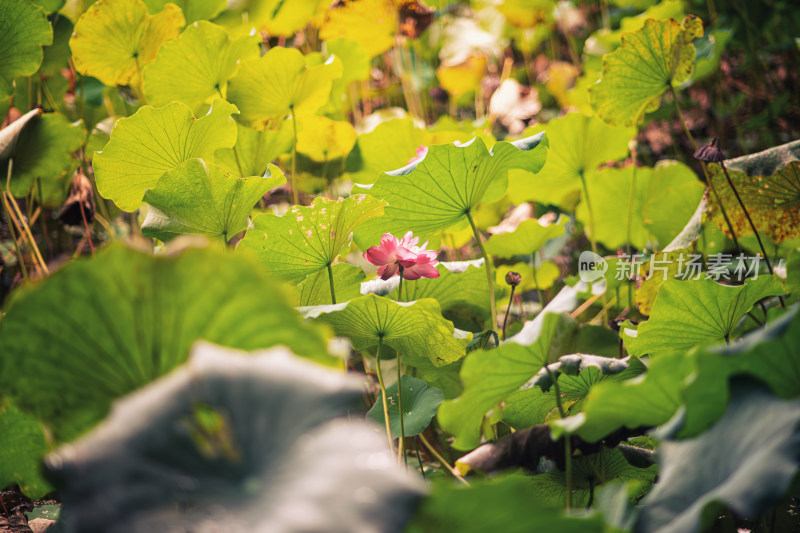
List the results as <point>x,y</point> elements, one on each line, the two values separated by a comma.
<point>371,23</point>
<point>115,39</point>
<point>646,64</point>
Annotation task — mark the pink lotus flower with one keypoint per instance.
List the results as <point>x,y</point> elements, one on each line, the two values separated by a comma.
<point>403,254</point>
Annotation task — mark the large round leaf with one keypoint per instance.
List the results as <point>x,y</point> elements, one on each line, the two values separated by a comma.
<point>115,39</point>
<point>648,62</point>
<point>307,239</point>
<point>414,329</point>
<point>279,83</point>
<point>316,289</point>
<point>529,236</point>
<point>769,185</point>
<point>435,193</point>
<point>420,402</point>
<point>323,139</point>
<point>154,141</point>
<point>489,376</point>
<point>746,461</point>
<point>282,17</point>
<point>579,144</point>
<point>44,151</point>
<point>204,199</point>
<point>196,66</point>
<point>664,200</point>
<point>235,442</point>
<point>24,29</point>
<point>693,312</point>
<point>100,328</point>
<point>371,23</point>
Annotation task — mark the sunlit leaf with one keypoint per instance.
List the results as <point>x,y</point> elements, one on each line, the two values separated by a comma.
<point>323,139</point>
<point>279,83</point>
<point>414,329</point>
<point>193,10</point>
<point>354,58</point>
<point>316,290</point>
<point>154,141</point>
<point>490,376</point>
<point>115,39</point>
<point>579,144</point>
<point>546,274</point>
<point>648,62</point>
<point>307,239</point>
<point>196,67</point>
<point>371,23</point>
<point>693,312</point>
<point>664,200</point>
<point>434,194</point>
<point>769,185</point>
<point>529,237</point>
<point>255,149</point>
<point>464,77</point>
<point>100,328</point>
<point>232,441</point>
<point>24,29</point>
<point>282,17</point>
<point>420,402</point>
<point>203,199</point>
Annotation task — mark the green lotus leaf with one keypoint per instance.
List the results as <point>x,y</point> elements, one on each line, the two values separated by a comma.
<point>307,239</point>
<point>323,139</point>
<point>232,442</point>
<point>354,58</point>
<point>503,504</point>
<point>768,183</point>
<point>529,237</point>
<point>193,10</point>
<point>573,365</point>
<point>50,6</point>
<point>460,285</point>
<point>157,140</point>
<point>24,29</point>
<point>56,56</point>
<point>44,151</point>
<point>99,328</point>
<point>371,23</point>
<point>664,200</point>
<point>416,330</point>
<point>279,83</point>
<point>489,376</point>
<point>115,39</point>
<point>282,17</point>
<point>434,194</point>
<point>316,289</point>
<point>9,135</point>
<point>771,354</point>
<point>206,58</point>
<point>579,145</point>
<point>22,446</point>
<point>420,402</point>
<point>663,266</point>
<point>531,406</point>
<point>692,312</point>
<point>255,149</point>
<point>749,458</point>
<point>611,464</point>
<point>643,401</point>
<point>204,199</point>
<point>648,62</point>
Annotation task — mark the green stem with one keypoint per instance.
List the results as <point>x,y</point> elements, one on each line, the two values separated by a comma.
<point>488,264</point>
<point>539,291</point>
<point>224,241</point>
<point>235,152</point>
<point>6,209</point>
<point>384,398</point>
<point>401,446</point>
<point>294,157</point>
<point>508,310</point>
<point>441,459</point>
<point>400,287</point>
<point>567,438</point>
<point>592,239</point>
<point>330,279</point>
<point>419,460</point>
